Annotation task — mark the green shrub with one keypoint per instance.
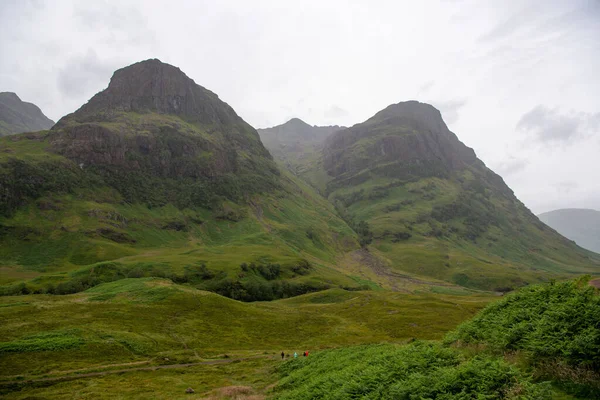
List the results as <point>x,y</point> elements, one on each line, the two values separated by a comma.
<point>554,320</point>
<point>416,371</point>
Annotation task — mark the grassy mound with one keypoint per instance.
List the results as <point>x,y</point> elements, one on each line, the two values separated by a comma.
<point>416,371</point>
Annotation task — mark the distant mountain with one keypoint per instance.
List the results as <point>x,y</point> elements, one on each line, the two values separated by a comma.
<point>17,116</point>
<point>578,224</point>
<point>295,141</point>
<point>430,207</point>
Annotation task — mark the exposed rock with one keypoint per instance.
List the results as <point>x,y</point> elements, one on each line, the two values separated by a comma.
<point>153,122</point>
<point>189,390</point>
<point>410,134</point>
<point>153,86</point>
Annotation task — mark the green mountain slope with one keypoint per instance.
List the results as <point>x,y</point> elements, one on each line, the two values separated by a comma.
<point>295,142</point>
<point>17,116</point>
<point>432,208</point>
<point>161,178</point>
<point>579,225</point>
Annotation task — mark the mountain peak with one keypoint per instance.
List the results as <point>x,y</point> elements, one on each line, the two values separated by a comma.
<point>296,122</point>
<point>18,116</point>
<point>423,114</point>
<point>405,134</point>
<point>154,86</point>
<point>9,96</point>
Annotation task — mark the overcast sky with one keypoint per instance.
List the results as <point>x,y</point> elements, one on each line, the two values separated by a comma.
<point>519,81</point>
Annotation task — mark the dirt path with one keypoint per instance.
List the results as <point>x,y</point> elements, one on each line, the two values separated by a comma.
<point>121,371</point>
<point>595,283</point>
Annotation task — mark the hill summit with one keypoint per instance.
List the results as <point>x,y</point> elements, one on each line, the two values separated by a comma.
<point>295,142</point>
<point>409,134</point>
<point>17,116</point>
<point>154,86</point>
<point>153,123</point>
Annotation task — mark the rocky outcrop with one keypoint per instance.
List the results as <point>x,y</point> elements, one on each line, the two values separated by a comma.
<point>154,122</point>
<point>408,133</point>
<point>17,116</point>
<point>153,86</point>
<point>198,135</point>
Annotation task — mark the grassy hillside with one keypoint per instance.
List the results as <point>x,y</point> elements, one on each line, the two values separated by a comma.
<point>538,343</point>
<point>157,322</point>
<point>427,206</point>
<point>139,183</point>
<point>126,333</point>
<point>64,230</point>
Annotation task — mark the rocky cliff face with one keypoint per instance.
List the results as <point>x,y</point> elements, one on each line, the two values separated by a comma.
<point>17,116</point>
<point>152,86</point>
<point>154,121</point>
<point>409,134</point>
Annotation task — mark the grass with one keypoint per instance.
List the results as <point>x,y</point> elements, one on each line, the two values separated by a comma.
<point>61,236</point>
<point>208,381</point>
<point>140,323</point>
<point>149,318</point>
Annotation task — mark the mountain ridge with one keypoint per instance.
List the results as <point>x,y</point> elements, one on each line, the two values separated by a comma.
<point>295,141</point>
<point>17,116</point>
<point>581,225</point>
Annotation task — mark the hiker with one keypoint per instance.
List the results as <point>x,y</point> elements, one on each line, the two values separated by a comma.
<point>295,355</point>
<point>304,354</point>
<point>282,355</point>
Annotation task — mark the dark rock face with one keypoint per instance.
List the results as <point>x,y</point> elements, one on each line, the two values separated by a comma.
<point>17,116</point>
<point>409,133</point>
<point>154,122</point>
<point>153,86</point>
<point>159,152</point>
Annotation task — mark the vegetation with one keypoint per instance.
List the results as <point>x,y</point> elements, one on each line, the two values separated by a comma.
<point>148,319</point>
<point>415,371</point>
<point>555,326</point>
<point>62,238</point>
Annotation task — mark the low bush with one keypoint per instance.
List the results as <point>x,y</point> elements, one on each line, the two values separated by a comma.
<point>416,371</point>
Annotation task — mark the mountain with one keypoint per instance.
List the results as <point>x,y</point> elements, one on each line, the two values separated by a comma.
<point>17,116</point>
<point>295,142</point>
<point>156,176</point>
<point>428,206</point>
<point>578,224</point>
